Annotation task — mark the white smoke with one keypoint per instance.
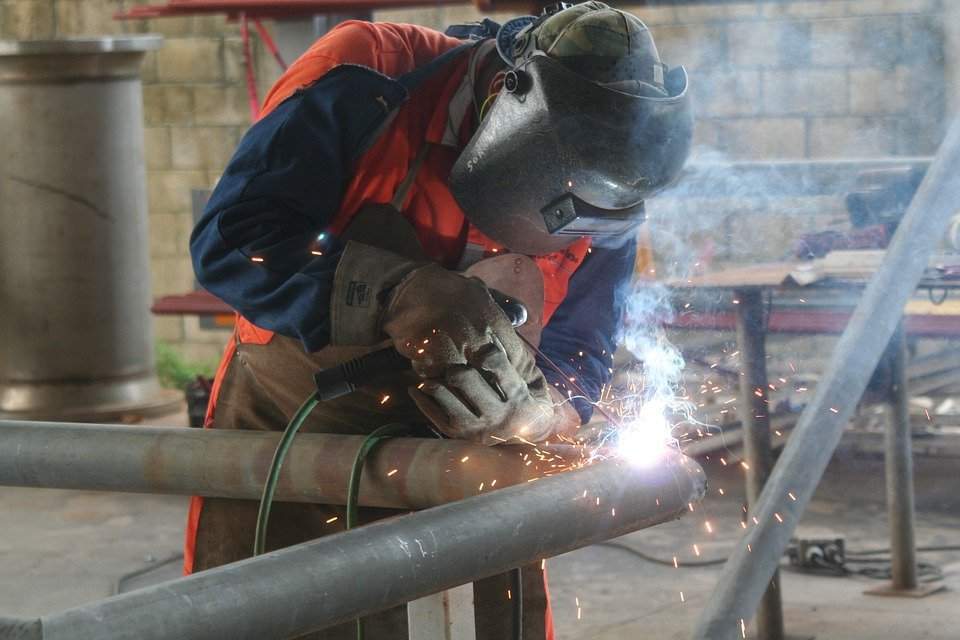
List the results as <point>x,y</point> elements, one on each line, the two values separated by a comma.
<point>651,399</point>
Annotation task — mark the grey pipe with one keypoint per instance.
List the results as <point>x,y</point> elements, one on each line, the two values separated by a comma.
<point>746,574</point>
<point>404,473</point>
<point>320,583</point>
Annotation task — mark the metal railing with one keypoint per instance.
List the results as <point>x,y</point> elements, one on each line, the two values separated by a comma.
<point>339,577</point>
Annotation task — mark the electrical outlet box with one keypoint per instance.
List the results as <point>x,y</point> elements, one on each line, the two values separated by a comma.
<point>815,552</point>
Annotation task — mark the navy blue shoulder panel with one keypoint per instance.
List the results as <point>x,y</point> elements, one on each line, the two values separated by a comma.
<point>254,245</point>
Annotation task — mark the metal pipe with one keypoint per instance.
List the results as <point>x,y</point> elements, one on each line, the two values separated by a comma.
<point>797,474</point>
<point>404,473</point>
<point>898,459</point>
<point>755,417</point>
<point>295,590</point>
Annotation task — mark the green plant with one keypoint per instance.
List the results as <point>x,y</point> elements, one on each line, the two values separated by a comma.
<point>175,371</point>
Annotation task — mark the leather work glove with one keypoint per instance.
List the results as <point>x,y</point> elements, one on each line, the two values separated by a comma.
<point>488,401</point>
<point>455,335</point>
<point>434,316</point>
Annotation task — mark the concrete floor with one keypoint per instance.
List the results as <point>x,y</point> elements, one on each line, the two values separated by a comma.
<point>64,548</point>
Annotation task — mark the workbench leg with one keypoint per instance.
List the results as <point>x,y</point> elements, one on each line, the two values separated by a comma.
<point>754,413</point>
<point>899,470</point>
<point>898,460</point>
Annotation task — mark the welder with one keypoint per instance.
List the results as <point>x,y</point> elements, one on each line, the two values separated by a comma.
<point>396,176</point>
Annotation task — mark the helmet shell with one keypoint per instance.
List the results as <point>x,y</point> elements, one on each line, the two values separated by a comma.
<point>560,156</point>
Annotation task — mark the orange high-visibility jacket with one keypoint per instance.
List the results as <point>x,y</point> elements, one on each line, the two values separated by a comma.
<point>267,245</point>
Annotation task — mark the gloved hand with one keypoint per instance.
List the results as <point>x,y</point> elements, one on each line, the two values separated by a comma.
<point>434,316</point>
<point>482,382</point>
<point>489,400</point>
<point>439,318</point>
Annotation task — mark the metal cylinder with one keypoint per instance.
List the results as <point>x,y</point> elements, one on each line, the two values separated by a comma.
<point>292,591</point>
<point>76,336</point>
<point>403,473</point>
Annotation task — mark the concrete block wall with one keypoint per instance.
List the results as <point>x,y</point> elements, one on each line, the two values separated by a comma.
<point>786,81</point>
<point>770,80</point>
<point>851,79</point>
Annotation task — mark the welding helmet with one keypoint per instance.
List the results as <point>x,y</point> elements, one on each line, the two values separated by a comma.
<point>588,124</point>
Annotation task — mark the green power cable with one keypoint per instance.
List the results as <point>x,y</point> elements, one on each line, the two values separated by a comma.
<point>353,489</point>
<point>271,484</point>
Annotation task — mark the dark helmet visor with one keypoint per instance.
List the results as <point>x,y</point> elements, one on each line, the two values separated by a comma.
<point>560,156</point>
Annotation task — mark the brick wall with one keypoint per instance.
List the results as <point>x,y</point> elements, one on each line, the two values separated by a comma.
<point>800,80</point>
<point>786,81</point>
<point>770,80</point>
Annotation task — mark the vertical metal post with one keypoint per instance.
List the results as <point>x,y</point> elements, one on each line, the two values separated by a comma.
<point>898,460</point>
<point>754,414</point>
<point>447,615</point>
<point>899,470</point>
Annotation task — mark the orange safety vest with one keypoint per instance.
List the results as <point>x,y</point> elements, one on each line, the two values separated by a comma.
<point>440,225</point>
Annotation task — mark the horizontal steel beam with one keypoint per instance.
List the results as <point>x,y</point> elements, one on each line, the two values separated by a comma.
<point>310,586</point>
<point>406,473</point>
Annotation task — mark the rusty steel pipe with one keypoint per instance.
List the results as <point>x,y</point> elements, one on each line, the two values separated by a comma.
<point>296,590</point>
<point>404,473</point>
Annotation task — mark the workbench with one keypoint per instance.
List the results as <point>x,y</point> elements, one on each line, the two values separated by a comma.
<point>746,300</point>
